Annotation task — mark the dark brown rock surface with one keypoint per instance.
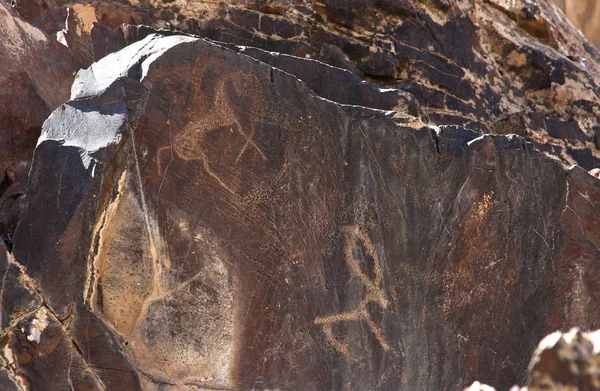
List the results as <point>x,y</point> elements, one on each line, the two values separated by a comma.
<point>328,195</point>
<point>495,66</point>
<point>215,224</point>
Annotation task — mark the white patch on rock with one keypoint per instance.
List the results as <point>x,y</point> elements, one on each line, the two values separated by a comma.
<point>100,75</point>
<point>477,386</point>
<point>88,130</point>
<point>61,38</point>
<point>549,341</point>
<point>38,325</point>
<point>594,337</point>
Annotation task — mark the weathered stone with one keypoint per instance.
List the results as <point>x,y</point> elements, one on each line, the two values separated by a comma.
<point>17,294</point>
<point>325,80</point>
<point>566,361</point>
<point>276,211</point>
<point>37,72</point>
<point>470,63</point>
<point>223,226</point>
<point>38,351</point>
<point>42,353</point>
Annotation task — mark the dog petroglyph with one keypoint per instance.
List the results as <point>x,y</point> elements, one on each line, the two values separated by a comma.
<point>224,113</point>
<point>353,234</point>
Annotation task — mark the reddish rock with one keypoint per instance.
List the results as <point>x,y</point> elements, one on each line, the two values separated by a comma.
<point>561,362</point>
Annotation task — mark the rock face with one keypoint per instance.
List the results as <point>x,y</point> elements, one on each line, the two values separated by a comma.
<point>35,78</point>
<point>495,66</point>
<point>217,224</point>
<point>350,212</point>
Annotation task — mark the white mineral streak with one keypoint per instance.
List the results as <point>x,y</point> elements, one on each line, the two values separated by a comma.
<point>38,325</point>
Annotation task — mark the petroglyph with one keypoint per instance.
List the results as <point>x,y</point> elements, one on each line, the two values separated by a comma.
<point>224,114</point>
<point>353,234</point>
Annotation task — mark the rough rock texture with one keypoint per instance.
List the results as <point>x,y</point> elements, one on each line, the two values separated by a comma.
<point>37,72</point>
<point>562,362</point>
<point>569,361</point>
<point>35,78</point>
<point>328,199</point>
<point>217,225</point>
<point>495,66</point>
